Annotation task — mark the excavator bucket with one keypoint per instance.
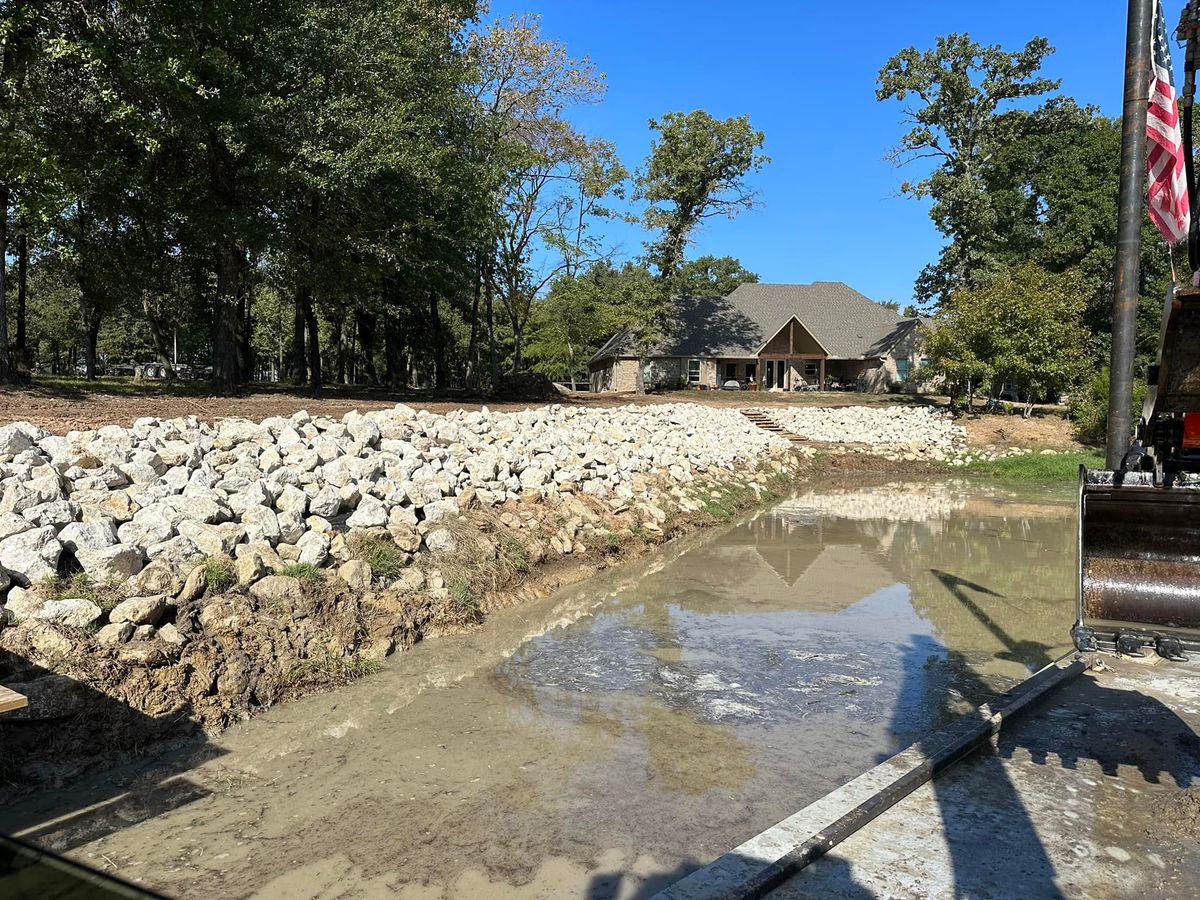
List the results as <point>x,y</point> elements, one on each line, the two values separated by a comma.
<point>1139,527</point>
<point>1139,564</point>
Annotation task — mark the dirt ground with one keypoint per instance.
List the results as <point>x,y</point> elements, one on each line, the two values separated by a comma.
<point>62,405</point>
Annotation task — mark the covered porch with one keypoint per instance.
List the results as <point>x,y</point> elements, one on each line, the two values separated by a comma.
<point>792,360</point>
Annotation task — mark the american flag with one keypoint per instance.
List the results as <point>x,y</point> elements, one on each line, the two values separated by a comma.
<point>1168,183</point>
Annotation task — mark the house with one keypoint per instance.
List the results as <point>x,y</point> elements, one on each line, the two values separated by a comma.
<point>779,337</point>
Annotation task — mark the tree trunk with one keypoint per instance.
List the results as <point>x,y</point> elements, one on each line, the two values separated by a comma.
<point>303,301</point>
<point>226,375</point>
<point>393,353</point>
<point>22,361</point>
<point>366,330</point>
<point>493,356</point>
<point>246,320</point>
<point>471,376</point>
<point>157,336</point>
<point>439,344</point>
<point>339,349</point>
<point>93,334</point>
<point>516,327</point>
<point>4,371</point>
<point>314,345</point>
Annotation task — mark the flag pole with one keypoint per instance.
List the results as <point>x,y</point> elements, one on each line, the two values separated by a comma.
<point>1129,228</point>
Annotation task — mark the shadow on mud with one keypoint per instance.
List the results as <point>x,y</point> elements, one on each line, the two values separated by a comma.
<point>70,729</point>
<point>996,845</point>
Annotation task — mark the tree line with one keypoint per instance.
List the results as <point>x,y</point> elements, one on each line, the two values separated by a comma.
<point>1022,182</point>
<point>387,193</point>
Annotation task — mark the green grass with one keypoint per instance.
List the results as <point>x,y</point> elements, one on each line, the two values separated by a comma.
<point>463,597</point>
<point>219,573</point>
<point>381,554</point>
<point>59,587</point>
<point>513,552</point>
<point>302,571</point>
<point>1062,468</point>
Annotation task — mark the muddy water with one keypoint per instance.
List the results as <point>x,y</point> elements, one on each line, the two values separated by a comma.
<point>617,735</point>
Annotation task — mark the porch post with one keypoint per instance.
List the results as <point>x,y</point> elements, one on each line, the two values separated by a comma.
<point>822,376</point>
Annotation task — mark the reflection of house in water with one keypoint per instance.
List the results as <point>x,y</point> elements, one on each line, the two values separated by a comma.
<point>773,563</point>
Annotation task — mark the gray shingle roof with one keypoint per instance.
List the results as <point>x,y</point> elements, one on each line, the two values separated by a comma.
<point>848,324</point>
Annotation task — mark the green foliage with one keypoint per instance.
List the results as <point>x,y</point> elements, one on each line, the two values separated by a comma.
<point>697,169</point>
<point>380,553</point>
<point>1022,326</point>
<point>712,276</point>
<point>219,573</point>
<point>1089,408</point>
<point>514,554</point>
<point>963,111</point>
<point>464,599</point>
<point>304,572</point>
<point>80,586</point>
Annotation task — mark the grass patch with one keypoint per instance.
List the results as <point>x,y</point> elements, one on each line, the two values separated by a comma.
<point>329,669</point>
<point>1062,468</point>
<point>603,541</point>
<point>219,573</point>
<point>463,597</point>
<point>381,554</point>
<point>302,571</point>
<point>79,586</point>
<point>513,552</point>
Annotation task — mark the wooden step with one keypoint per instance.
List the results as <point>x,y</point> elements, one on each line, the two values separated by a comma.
<point>766,423</point>
<point>11,700</point>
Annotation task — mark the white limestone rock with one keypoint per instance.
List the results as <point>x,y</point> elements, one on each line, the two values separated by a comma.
<point>75,612</point>
<point>31,556</point>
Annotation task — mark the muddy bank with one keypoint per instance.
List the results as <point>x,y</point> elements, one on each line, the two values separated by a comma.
<point>215,653</point>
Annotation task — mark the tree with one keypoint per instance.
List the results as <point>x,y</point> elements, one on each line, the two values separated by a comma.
<point>960,100</point>
<point>696,169</point>
<point>712,276</point>
<point>1023,326</point>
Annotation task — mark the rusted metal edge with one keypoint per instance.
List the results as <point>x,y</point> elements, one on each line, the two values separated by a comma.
<point>764,862</point>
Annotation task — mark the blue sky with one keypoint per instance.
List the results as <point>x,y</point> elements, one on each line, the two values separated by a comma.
<point>805,73</point>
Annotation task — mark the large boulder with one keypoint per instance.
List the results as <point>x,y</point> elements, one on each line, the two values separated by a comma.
<point>369,514</point>
<point>159,577</point>
<point>139,610</point>
<point>75,612</point>
<point>94,535</point>
<point>115,563</point>
<point>31,556</point>
<point>13,523</point>
<point>314,548</point>
<point>261,523</point>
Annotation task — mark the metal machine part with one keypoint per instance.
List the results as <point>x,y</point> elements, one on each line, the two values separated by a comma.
<point>1139,526</point>
<point>1139,563</point>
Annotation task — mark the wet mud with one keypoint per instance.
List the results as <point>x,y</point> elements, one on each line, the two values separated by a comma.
<point>607,740</point>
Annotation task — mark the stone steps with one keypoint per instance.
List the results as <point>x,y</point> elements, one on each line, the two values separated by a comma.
<point>766,423</point>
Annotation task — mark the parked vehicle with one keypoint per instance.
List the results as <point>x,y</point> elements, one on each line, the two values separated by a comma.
<point>732,385</point>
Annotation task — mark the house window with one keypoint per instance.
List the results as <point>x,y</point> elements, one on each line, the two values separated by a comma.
<point>694,371</point>
<point>730,371</point>
<point>902,369</point>
<point>752,371</point>
<point>812,371</point>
